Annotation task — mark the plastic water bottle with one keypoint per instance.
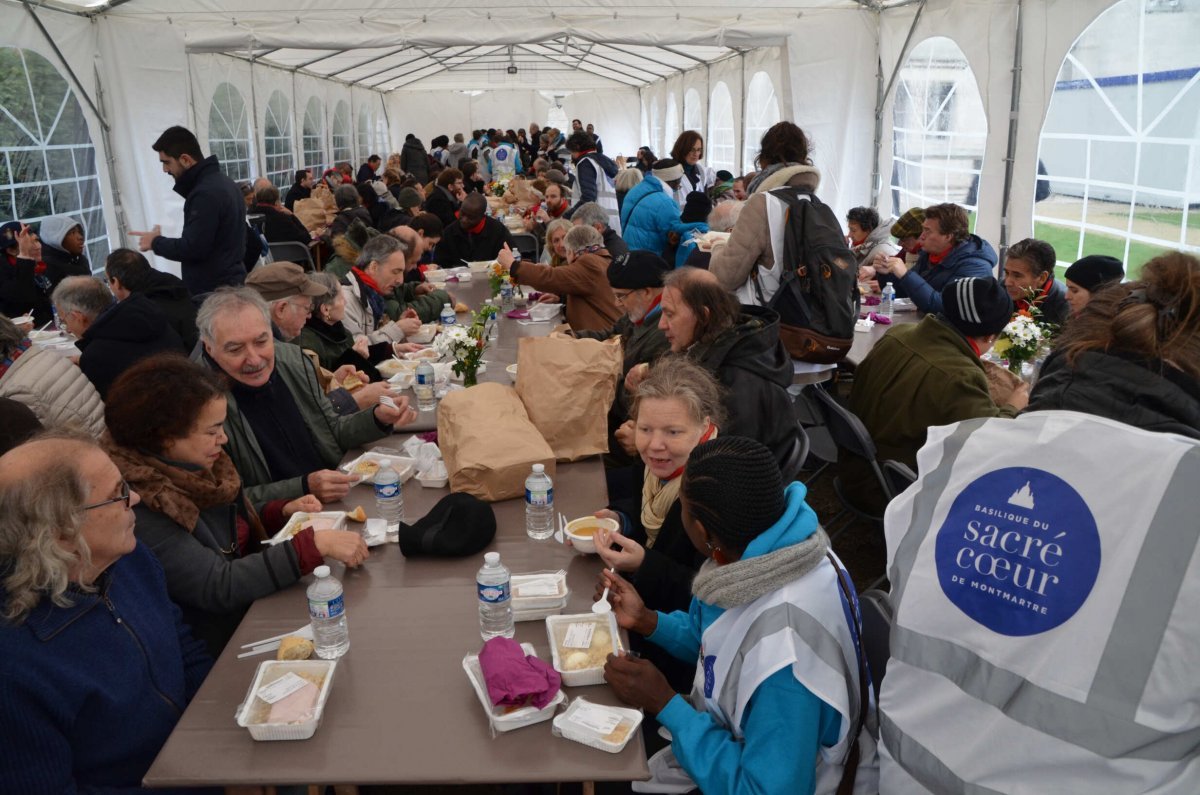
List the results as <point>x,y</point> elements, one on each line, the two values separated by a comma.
<point>495,599</point>
<point>539,504</point>
<point>423,386</point>
<point>888,305</point>
<point>493,324</point>
<point>327,611</point>
<point>448,317</point>
<point>389,497</point>
<point>506,296</point>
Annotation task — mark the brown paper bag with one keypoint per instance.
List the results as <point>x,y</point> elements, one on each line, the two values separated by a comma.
<point>488,442</point>
<point>1001,382</point>
<point>312,213</point>
<point>567,386</point>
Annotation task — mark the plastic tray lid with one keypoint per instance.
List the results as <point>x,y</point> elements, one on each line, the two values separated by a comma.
<point>506,718</point>
<point>539,590</point>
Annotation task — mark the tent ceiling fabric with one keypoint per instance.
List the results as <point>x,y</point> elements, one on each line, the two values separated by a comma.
<point>388,45</point>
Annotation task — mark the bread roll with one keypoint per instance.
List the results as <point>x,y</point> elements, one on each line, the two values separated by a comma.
<point>295,648</point>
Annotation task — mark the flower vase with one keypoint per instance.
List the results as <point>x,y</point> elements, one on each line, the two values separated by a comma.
<point>470,377</point>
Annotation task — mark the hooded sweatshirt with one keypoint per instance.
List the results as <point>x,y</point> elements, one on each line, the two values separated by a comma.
<point>752,365</point>
<point>60,264</point>
<point>120,336</point>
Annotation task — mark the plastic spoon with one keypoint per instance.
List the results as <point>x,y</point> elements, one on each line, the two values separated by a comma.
<point>601,605</point>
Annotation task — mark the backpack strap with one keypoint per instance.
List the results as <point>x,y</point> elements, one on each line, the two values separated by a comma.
<point>850,766</point>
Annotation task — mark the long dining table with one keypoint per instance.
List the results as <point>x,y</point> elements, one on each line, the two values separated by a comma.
<point>401,709</point>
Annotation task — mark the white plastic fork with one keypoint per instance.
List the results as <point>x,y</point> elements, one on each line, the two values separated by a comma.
<point>602,605</point>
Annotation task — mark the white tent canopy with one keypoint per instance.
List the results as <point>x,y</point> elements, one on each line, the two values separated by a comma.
<point>281,85</point>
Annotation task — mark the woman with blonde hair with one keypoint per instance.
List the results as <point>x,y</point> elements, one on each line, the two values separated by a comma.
<point>554,253</point>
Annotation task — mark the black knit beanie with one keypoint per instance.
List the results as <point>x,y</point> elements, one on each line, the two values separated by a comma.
<point>734,488</point>
<point>977,306</point>
<point>1095,270</point>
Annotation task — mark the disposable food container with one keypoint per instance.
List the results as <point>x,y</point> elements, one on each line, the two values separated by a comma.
<point>597,725</point>
<point>325,520</point>
<point>580,666</point>
<point>254,712</point>
<point>369,463</point>
<point>539,595</point>
<point>505,718</point>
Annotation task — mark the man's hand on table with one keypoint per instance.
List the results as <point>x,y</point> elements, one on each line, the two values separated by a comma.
<point>409,322</point>
<point>638,683</point>
<point>346,546</point>
<point>308,503</point>
<point>1019,397</point>
<point>892,265</point>
<point>328,485</point>
<point>367,396</point>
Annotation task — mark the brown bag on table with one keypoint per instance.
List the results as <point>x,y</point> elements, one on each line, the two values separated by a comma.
<point>312,213</point>
<point>488,442</point>
<point>567,386</point>
<point>1001,382</point>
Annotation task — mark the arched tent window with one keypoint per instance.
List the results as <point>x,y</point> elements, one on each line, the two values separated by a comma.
<point>381,137</point>
<point>693,115</point>
<point>762,112</point>
<point>1119,145</point>
<point>366,141</point>
<point>229,132</point>
<point>314,136</point>
<point>47,161</point>
<point>720,147</point>
<point>672,122</point>
<point>342,151</point>
<point>939,130</point>
<point>656,138</point>
<point>277,141</point>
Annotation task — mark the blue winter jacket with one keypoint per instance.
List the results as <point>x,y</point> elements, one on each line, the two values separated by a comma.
<point>649,214</point>
<point>923,283</point>
<point>89,693</point>
<point>784,724</point>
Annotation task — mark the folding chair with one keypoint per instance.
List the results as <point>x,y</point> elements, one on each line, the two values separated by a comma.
<point>292,251</point>
<point>877,616</point>
<point>527,244</point>
<point>852,438</point>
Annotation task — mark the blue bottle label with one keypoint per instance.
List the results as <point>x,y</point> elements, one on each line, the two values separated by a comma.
<point>539,497</point>
<point>492,594</point>
<point>333,608</point>
<point>386,491</point>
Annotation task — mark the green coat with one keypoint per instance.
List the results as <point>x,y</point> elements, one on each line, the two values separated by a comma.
<point>332,434</point>
<point>327,343</point>
<point>917,376</point>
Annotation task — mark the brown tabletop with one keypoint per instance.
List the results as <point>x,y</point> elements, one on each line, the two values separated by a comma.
<point>864,341</point>
<point>401,710</point>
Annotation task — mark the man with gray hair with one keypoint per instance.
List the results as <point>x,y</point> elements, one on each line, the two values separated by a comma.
<point>368,285</point>
<point>284,436</point>
<point>595,216</point>
<point>583,281</point>
<point>112,336</point>
<point>80,599</point>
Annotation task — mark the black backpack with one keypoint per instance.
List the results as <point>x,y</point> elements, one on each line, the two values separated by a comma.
<point>818,298</point>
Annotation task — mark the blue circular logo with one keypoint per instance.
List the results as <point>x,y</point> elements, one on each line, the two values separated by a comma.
<point>502,154</point>
<point>1019,551</point>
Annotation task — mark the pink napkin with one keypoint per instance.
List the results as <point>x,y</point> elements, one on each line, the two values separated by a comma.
<point>878,318</point>
<point>871,300</point>
<point>429,436</point>
<point>518,314</point>
<point>452,279</point>
<point>513,679</point>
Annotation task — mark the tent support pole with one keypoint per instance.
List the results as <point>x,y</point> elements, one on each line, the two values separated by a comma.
<point>70,72</point>
<point>387,121</point>
<point>881,99</point>
<point>1010,153</point>
<point>110,163</point>
<point>737,156</point>
<point>261,154</point>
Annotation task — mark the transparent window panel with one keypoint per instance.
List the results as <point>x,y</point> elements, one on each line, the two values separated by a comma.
<point>61,163</point>
<point>84,161</point>
<point>66,198</point>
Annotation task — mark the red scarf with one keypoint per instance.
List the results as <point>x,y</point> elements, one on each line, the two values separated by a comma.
<point>367,280</point>
<point>650,309</point>
<point>708,432</point>
<point>475,229</point>
<point>974,347</point>
<point>38,269</point>
<point>936,259</point>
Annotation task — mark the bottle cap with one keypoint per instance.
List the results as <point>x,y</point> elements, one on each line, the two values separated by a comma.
<point>539,469</point>
<point>321,571</point>
<point>490,558</point>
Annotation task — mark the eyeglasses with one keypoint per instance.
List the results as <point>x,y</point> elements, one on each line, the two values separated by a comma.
<point>123,497</point>
<point>621,295</point>
<point>307,309</point>
<point>698,149</point>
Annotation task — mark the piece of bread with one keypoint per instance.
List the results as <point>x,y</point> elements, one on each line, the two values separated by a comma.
<point>357,515</point>
<point>295,648</point>
<point>352,382</point>
<point>461,307</point>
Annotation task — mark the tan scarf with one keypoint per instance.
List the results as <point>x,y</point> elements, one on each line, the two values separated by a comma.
<point>180,494</point>
<point>659,495</point>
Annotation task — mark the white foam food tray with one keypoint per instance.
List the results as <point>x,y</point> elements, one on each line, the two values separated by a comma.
<point>539,590</point>
<point>597,725</point>
<point>367,464</point>
<point>271,670</point>
<point>324,520</point>
<point>505,718</point>
<point>597,653</point>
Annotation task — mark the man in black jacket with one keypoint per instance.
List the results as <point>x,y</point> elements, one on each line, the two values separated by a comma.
<point>128,272</point>
<point>301,189</point>
<point>213,242</point>
<point>475,237</point>
<point>279,224</point>
<point>112,336</point>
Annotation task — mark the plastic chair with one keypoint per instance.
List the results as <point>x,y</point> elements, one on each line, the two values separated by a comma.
<point>527,244</point>
<point>876,610</point>
<point>292,251</point>
<point>852,438</point>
